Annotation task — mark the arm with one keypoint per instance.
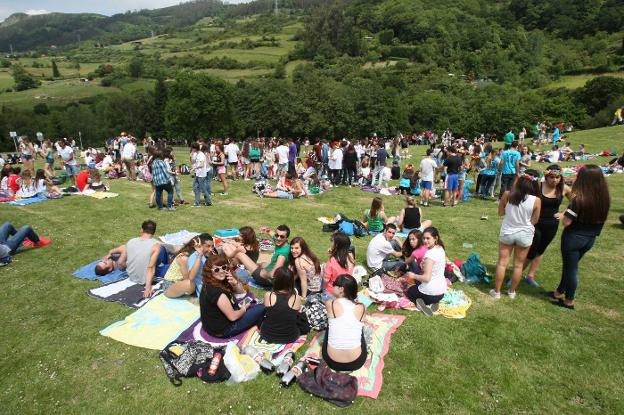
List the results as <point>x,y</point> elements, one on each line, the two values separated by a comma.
<point>281,260</point>
<point>537,207</point>
<point>303,279</point>
<point>226,308</point>
<point>401,218</point>
<point>503,203</point>
<point>426,275</point>
<point>120,250</point>
<point>151,270</point>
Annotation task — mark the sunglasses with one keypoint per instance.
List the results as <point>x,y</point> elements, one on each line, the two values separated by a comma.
<point>278,236</point>
<point>220,268</point>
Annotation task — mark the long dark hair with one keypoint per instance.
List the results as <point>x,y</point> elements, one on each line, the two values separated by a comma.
<point>527,184</point>
<point>248,237</point>
<point>189,247</point>
<point>407,248</point>
<point>376,206</point>
<point>433,231</point>
<point>305,250</point>
<point>349,284</point>
<point>284,281</point>
<point>590,194</point>
<point>209,279</point>
<point>555,170</point>
<point>340,249</point>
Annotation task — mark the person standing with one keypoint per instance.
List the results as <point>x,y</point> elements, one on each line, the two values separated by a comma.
<point>335,163</point>
<point>452,165</point>
<point>380,163</point>
<point>292,155</point>
<point>283,154</point>
<point>350,164</point>
<point>428,167</point>
<point>67,155</point>
<point>162,181</point>
<point>231,151</point>
<point>128,154</point>
<point>509,167</point>
<point>509,138</point>
<point>199,169</point>
<point>583,221</point>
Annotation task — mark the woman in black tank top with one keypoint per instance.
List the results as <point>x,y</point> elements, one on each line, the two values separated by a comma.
<point>552,192</point>
<point>411,217</point>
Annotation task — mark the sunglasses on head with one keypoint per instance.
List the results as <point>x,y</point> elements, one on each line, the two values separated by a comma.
<point>278,236</point>
<point>220,268</point>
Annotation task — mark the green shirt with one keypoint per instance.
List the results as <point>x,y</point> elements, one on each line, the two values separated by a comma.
<point>279,251</point>
<point>509,137</point>
<point>375,224</point>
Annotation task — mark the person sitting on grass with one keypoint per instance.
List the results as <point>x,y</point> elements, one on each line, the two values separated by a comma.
<point>144,258</point>
<point>180,278</point>
<point>282,322</point>
<point>263,276</point>
<point>341,261</point>
<point>344,347</point>
<point>405,183</point>
<point>414,250</point>
<point>291,187</point>
<point>375,218</point>
<point>411,217</point>
<point>223,312</point>
<point>430,285</point>
<point>45,186</point>
<point>12,239</point>
<point>306,268</point>
<point>27,186</point>
<point>384,251</point>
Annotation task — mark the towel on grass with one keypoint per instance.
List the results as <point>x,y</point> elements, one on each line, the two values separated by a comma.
<point>100,195</point>
<point>126,292</point>
<point>88,273</point>
<point>276,351</point>
<point>454,304</point>
<point>197,332</point>
<point>28,201</point>
<point>178,238</point>
<point>378,331</point>
<point>154,325</point>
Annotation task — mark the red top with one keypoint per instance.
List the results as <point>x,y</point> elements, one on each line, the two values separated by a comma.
<point>81,180</point>
<point>13,183</point>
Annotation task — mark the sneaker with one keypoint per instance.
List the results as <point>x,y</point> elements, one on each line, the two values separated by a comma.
<point>511,294</point>
<point>171,208</point>
<point>195,205</point>
<point>5,261</point>
<point>531,281</point>
<point>495,294</point>
<point>42,242</point>
<point>223,193</point>
<point>435,307</point>
<point>421,306</point>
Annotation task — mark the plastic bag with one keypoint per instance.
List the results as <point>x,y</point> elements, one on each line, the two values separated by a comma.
<point>242,367</point>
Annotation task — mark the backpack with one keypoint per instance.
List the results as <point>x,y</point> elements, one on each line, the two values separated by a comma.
<point>316,312</point>
<point>474,271</point>
<point>359,229</point>
<point>337,388</point>
<point>184,169</point>
<point>347,228</point>
<point>185,359</point>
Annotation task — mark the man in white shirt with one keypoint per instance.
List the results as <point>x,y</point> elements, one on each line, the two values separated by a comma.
<point>427,175</point>
<point>67,154</point>
<point>231,150</point>
<point>128,154</point>
<point>282,158</point>
<point>201,182</point>
<point>335,164</point>
<point>384,251</point>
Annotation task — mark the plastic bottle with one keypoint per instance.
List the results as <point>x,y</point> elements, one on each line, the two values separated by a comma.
<point>286,363</point>
<point>255,354</point>
<point>291,376</point>
<point>214,363</point>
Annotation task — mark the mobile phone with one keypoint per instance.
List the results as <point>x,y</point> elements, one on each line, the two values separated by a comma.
<point>246,301</point>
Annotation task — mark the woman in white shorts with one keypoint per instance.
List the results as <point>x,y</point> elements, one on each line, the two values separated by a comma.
<point>521,208</point>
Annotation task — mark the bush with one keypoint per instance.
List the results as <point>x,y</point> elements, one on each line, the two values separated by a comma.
<point>106,82</point>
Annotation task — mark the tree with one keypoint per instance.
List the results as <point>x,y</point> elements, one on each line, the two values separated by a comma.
<point>55,70</point>
<point>135,67</point>
<point>599,92</point>
<point>23,80</point>
<point>280,71</point>
<point>160,104</point>
<point>41,109</point>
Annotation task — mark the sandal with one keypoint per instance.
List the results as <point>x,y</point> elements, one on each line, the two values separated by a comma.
<point>551,295</point>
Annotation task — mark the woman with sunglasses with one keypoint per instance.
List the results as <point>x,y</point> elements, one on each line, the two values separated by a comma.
<point>552,191</point>
<point>224,313</point>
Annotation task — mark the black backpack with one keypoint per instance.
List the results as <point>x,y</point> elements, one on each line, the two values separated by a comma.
<point>190,359</point>
<point>184,169</point>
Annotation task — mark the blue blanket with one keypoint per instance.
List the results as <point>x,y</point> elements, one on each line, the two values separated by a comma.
<point>30,200</point>
<point>88,273</point>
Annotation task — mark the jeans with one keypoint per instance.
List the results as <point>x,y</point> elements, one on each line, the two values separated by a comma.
<point>485,186</point>
<point>349,175</point>
<point>202,185</point>
<point>162,263</point>
<point>176,187</point>
<point>377,173</point>
<point>252,317</point>
<point>506,182</point>
<point>392,262</point>
<point>573,246</point>
<point>13,238</point>
<point>159,190</point>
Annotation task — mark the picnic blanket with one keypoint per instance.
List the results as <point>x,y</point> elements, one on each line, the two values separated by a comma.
<point>178,238</point>
<point>126,292</point>
<point>378,331</point>
<point>100,195</point>
<point>88,273</point>
<point>197,332</point>
<point>28,201</point>
<point>455,304</point>
<point>275,351</point>
<point>154,325</point>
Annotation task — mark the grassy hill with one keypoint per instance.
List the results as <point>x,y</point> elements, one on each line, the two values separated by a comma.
<point>522,356</point>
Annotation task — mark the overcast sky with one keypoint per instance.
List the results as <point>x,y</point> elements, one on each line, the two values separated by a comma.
<point>109,7</point>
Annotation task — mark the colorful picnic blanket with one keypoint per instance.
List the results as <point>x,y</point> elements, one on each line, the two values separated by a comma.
<point>197,332</point>
<point>276,351</point>
<point>178,238</point>
<point>88,273</point>
<point>24,202</point>
<point>100,195</point>
<point>455,304</point>
<point>126,292</point>
<point>378,330</point>
<point>154,325</point>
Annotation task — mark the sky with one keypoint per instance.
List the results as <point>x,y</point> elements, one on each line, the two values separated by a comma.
<point>109,7</point>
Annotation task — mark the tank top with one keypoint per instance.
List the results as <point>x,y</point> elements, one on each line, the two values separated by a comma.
<point>345,332</point>
<point>550,206</point>
<point>174,273</point>
<point>280,321</point>
<point>314,279</point>
<point>412,218</point>
<point>139,253</point>
<point>518,218</point>
<point>375,224</point>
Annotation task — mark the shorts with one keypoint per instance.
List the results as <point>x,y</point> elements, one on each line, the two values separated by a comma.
<point>452,182</point>
<point>27,157</point>
<point>255,160</point>
<point>408,230</point>
<point>522,238</point>
<point>166,284</point>
<point>426,185</point>
<point>233,163</point>
<point>284,195</point>
<point>221,170</point>
<point>71,170</point>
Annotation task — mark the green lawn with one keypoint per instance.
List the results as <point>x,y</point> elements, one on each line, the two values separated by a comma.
<point>578,81</point>
<point>522,356</point>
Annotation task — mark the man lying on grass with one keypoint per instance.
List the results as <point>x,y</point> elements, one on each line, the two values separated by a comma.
<point>12,239</point>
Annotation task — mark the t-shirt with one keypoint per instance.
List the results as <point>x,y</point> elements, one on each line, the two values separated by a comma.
<point>378,249</point>
<point>493,168</point>
<point>419,254</point>
<point>509,138</point>
<point>13,185</point>
<point>199,158</point>
<point>231,150</point>
<point>279,251</point>
<point>335,160</point>
<point>81,180</point>
<point>213,320</point>
<point>128,151</point>
<point>509,158</point>
<point>282,154</point>
<point>107,162</point>
<point>427,169</point>
<point>66,154</point>
<point>139,253</point>
<point>453,164</point>
<point>332,270</point>
<point>437,284</point>
<point>574,213</point>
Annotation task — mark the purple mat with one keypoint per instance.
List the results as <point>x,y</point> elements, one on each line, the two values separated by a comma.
<point>369,189</point>
<point>196,332</point>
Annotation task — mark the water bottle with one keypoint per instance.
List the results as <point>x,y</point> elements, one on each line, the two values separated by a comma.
<point>291,376</point>
<point>255,354</point>
<point>287,361</point>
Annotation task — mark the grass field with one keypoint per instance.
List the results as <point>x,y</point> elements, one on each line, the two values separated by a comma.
<point>522,356</point>
<point>578,81</point>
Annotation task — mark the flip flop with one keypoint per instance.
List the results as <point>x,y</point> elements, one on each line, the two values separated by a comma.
<point>560,303</point>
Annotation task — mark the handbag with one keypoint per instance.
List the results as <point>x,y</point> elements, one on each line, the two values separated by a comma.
<point>337,388</point>
<point>185,359</point>
<point>315,312</point>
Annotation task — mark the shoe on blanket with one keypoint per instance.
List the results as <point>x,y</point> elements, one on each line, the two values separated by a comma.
<point>42,242</point>
<point>421,306</point>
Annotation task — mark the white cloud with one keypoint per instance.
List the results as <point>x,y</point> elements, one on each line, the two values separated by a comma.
<point>34,12</point>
